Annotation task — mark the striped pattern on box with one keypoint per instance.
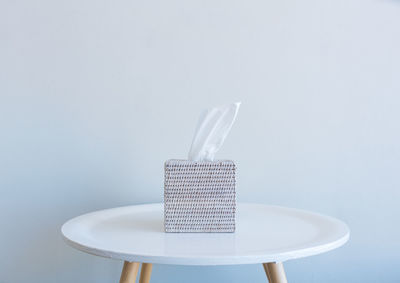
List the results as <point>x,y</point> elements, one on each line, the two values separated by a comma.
<point>199,196</point>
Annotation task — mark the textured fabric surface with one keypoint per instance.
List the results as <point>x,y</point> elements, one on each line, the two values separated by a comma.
<point>199,196</point>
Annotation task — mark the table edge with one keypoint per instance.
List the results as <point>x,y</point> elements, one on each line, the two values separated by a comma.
<point>214,260</point>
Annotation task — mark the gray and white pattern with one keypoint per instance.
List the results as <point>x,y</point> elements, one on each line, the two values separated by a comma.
<point>199,196</point>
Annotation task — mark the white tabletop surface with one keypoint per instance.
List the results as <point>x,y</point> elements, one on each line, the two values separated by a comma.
<point>263,234</point>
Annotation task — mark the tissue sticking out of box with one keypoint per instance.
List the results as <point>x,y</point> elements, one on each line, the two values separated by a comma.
<point>213,127</point>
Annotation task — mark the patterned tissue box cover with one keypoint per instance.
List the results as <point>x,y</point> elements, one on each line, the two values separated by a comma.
<point>199,196</point>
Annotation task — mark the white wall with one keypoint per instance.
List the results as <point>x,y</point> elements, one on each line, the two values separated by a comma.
<point>95,95</point>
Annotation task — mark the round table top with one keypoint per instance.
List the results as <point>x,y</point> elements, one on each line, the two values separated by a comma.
<point>264,233</point>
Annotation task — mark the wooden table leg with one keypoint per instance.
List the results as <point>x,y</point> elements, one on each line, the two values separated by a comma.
<point>129,272</point>
<point>145,273</point>
<point>267,272</point>
<point>275,272</point>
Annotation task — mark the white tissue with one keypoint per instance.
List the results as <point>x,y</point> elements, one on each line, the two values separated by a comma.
<point>213,127</point>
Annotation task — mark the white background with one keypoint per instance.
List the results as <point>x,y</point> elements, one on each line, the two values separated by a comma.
<point>96,95</point>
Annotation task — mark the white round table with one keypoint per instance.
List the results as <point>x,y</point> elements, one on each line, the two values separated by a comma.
<point>264,234</point>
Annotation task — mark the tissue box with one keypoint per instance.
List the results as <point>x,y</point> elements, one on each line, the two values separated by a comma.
<point>199,196</point>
